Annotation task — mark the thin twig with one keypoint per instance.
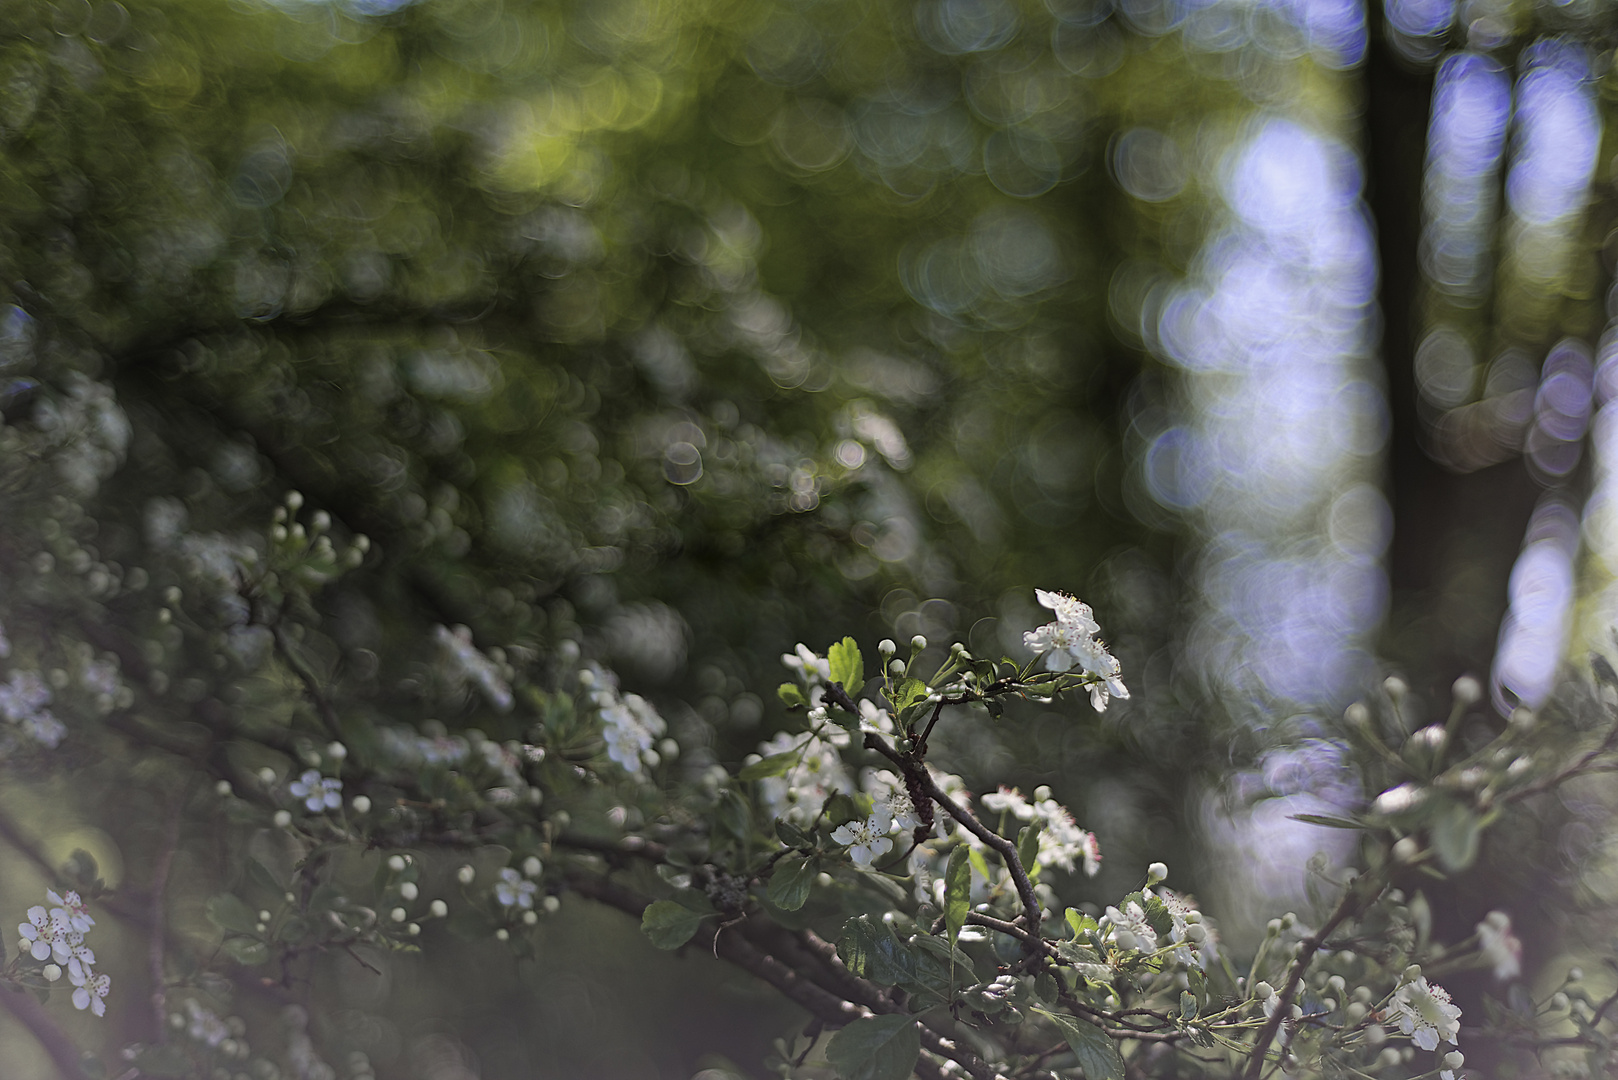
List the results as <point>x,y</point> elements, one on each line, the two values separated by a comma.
<point>155,939</point>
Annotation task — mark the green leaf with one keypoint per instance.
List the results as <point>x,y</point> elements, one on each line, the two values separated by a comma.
<point>876,1048</point>
<point>980,864</point>
<point>791,695</point>
<point>1080,922</point>
<point>996,707</point>
<point>229,912</point>
<point>1188,1005</point>
<point>1327,821</point>
<point>957,890</point>
<point>791,881</point>
<point>847,666</point>
<point>790,834</point>
<point>669,925</point>
<point>907,692</point>
<point>1097,1055</point>
<point>1028,847</point>
<point>734,815</point>
<point>872,951</point>
<point>246,950</point>
<point>1455,831</point>
<point>1087,962</point>
<point>774,765</point>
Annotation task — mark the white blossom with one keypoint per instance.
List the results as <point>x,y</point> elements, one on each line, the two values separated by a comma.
<point>630,727</point>
<point>471,665</point>
<point>1128,928</point>
<point>1070,641</point>
<point>1424,1012</point>
<point>91,990</point>
<point>513,890</point>
<point>1499,946</point>
<point>817,772</point>
<point>205,1026</point>
<point>71,908</point>
<point>866,839</point>
<point>317,792</point>
<point>40,933</point>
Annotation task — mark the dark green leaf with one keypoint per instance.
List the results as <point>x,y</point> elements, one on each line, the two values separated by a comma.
<point>1028,846</point>
<point>246,950</point>
<point>734,815</point>
<point>791,695</point>
<point>875,1048</point>
<point>957,890</point>
<point>791,881</point>
<point>669,925</point>
<point>1087,962</point>
<point>774,765</point>
<point>996,707</point>
<point>1602,670</point>
<point>847,666</point>
<point>871,950</point>
<point>230,912</point>
<point>1097,1055</point>
<point>790,834</point>
<point>1188,1005</point>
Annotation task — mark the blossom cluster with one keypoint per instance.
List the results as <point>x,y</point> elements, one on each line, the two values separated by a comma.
<point>57,935</point>
<point>22,705</point>
<point>629,724</point>
<point>1070,642</point>
<point>1061,842</point>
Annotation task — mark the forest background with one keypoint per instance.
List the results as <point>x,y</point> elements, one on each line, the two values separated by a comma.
<point>671,334</point>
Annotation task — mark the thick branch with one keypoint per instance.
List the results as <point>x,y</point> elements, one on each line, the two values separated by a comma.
<point>28,1012</point>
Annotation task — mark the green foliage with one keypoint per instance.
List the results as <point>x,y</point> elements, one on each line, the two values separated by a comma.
<point>1098,1055</point>
<point>669,925</point>
<point>875,1048</point>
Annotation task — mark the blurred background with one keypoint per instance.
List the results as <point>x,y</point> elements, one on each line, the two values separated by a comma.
<point>691,329</point>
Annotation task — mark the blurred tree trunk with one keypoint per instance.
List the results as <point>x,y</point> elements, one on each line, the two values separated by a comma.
<point>1455,535</point>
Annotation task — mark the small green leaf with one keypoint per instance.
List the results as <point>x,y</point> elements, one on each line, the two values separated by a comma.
<point>847,666</point>
<point>957,890</point>
<point>980,864</point>
<point>1097,1055</point>
<point>230,912</point>
<point>1188,1005</point>
<point>791,881</point>
<point>790,834</point>
<point>907,692</point>
<point>669,925</point>
<point>246,950</point>
<point>1327,821</point>
<point>791,695</point>
<point>876,1048</point>
<point>1028,846</point>
<point>1080,922</point>
<point>774,765</point>
<point>996,707</point>
<point>1455,831</point>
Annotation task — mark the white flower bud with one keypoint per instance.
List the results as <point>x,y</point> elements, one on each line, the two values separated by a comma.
<point>1196,933</point>
<point>1522,718</point>
<point>1389,1058</point>
<point>266,776</point>
<point>289,898</point>
<point>1467,690</point>
<point>51,972</point>
<point>896,668</point>
<point>264,916</point>
<point>1406,850</point>
<point>1042,792</point>
<point>1559,1001</point>
<point>398,914</point>
<point>1375,1034</point>
<point>282,819</point>
<point>1412,973</point>
<point>336,751</point>
<point>918,643</point>
<point>886,647</point>
<point>465,875</point>
<point>413,929</point>
<point>1454,1059</point>
<point>1156,872</point>
<point>294,499</point>
<point>532,867</point>
<point>408,890</point>
<point>438,909</point>
<point>529,918</point>
<point>1262,991</point>
<point>1355,1012</point>
<point>261,926</point>
<point>223,789</point>
<point>502,934</point>
<point>551,904</point>
<point>176,1021</point>
<point>1575,974</point>
<point>1395,687</point>
<point>396,863</point>
<point>320,520</point>
<point>361,804</point>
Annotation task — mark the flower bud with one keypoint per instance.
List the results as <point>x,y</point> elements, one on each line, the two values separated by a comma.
<point>438,909</point>
<point>1560,1001</point>
<point>502,934</point>
<point>51,972</point>
<point>1355,1012</point>
<point>1262,991</point>
<point>1454,1059</point>
<point>918,643</point>
<point>886,647</point>
<point>529,918</point>
<point>413,929</point>
<point>396,863</point>
<point>897,668</point>
<point>551,904</point>
<point>532,867</point>
<point>266,776</point>
<point>1412,973</point>
<point>1375,1034</point>
<point>465,875</point>
<point>361,804</point>
<point>1467,690</point>
<point>1522,718</point>
<point>1575,974</point>
<point>282,819</point>
<point>1395,687</point>
<point>398,914</point>
<point>409,891</point>
<point>223,789</point>
<point>1156,872</point>
<point>294,499</point>
<point>1042,792</point>
<point>336,751</point>
<point>321,521</point>
<point>1406,850</point>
